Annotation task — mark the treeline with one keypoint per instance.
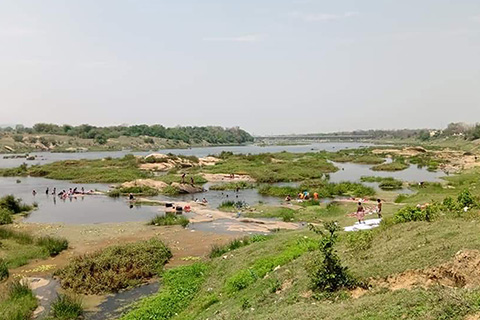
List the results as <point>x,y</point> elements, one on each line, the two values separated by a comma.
<point>460,129</point>
<point>210,134</point>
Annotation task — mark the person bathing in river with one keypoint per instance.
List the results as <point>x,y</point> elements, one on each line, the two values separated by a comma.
<point>34,192</point>
<point>204,200</point>
<point>288,198</point>
<point>46,192</point>
<point>379,208</point>
<point>360,213</point>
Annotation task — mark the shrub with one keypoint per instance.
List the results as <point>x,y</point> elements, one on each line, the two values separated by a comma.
<point>401,198</point>
<point>19,303</point>
<point>5,216</point>
<point>17,138</point>
<point>325,270</point>
<point>115,268</point>
<point>170,191</point>
<point>13,205</point>
<point>17,289</point>
<point>169,220</point>
<point>466,199</point>
<point>4,274</point>
<point>53,245</point>
<point>66,307</point>
<point>411,213</point>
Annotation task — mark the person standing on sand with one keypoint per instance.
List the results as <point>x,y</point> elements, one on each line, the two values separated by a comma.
<point>360,213</point>
<point>379,208</point>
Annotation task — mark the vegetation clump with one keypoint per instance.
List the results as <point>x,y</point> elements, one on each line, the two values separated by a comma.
<point>323,188</point>
<point>18,303</point>
<point>13,205</point>
<point>5,216</point>
<point>66,307</point>
<point>115,268</point>
<point>4,274</point>
<point>240,185</point>
<point>384,183</point>
<point>169,220</point>
<point>136,190</point>
<point>326,271</point>
<point>396,165</point>
<point>179,287</point>
<point>218,251</point>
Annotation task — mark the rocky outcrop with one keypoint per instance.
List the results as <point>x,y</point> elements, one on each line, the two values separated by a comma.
<point>159,185</point>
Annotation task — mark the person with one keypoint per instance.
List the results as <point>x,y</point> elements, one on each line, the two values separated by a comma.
<point>204,200</point>
<point>379,208</point>
<point>192,182</point>
<point>288,198</point>
<point>130,196</point>
<point>315,196</point>
<point>46,192</point>
<point>34,192</point>
<point>360,213</point>
<point>83,190</point>
<point>183,177</point>
<point>54,192</point>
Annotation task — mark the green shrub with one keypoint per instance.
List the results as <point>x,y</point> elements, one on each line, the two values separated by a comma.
<point>5,216</point>
<point>400,198</point>
<point>17,138</point>
<point>466,199</point>
<point>14,205</point>
<point>411,213</point>
<point>397,165</point>
<point>115,268</point>
<point>169,220</point>
<point>171,191</point>
<point>4,274</point>
<point>233,186</point>
<point>67,307</point>
<point>325,270</point>
<point>53,245</point>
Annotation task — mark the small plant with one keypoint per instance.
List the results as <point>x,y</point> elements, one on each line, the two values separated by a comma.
<point>17,289</point>
<point>466,199</point>
<point>67,307</point>
<point>4,274</point>
<point>5,216</point>
<point>53,245</point>
<point>360,240</point>
<point>169,220</point>
<point>326,271</point>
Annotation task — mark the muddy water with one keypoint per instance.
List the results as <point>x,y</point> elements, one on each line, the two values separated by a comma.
<point>48,157</point>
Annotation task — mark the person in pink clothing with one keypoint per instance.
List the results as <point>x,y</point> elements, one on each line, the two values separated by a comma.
<point>360,213</point>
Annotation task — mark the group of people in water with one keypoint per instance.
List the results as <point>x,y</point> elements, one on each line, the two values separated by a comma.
<point>63,194</point>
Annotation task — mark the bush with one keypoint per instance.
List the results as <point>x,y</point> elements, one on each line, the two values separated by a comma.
<point>66,307</point>
<point>466,199</point>
<point>5,216</point>
<point>19,303</point>
<point>4,274</point>
<point>400,198</point>
<point>115,268</point>
<point>17,138</point>
<point>16,290</point>
<point>14,205</point>
<point>411,213</point>
<point>169,220</point>
<point>325,270</point>
<point>53,245</point>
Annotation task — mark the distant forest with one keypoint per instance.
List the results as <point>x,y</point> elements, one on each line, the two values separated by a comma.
<point>210,134</point>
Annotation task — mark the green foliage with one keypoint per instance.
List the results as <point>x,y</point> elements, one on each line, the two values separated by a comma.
<point>53,245</point>
<point>136,190</point>
<point>169,220</point>
<point>396,165</point>
<point>115,268</point>
<point>275,167</point>
<point>466,199</point>
<point>171,191</point>
<point>245,277</point>
<point>323,188</point>
<point>360,156</point>
<point>325,270</point>
<point>400,198</point>
<point>385,183</point>
<point>218,251</point>
<point>179,287</point>
<point>19,302</point>
<point>233,186</point>
<point>360,240</point>
<point>66,307</point>
<point>4,274</point>
<point>14,205</point>
<point>5,216</point>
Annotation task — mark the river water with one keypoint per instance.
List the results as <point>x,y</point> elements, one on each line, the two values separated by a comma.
<point>100,209</point>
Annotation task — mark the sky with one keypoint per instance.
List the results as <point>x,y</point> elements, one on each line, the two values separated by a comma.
<point>268,66</point>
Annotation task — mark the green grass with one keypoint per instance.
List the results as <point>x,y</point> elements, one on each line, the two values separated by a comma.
<point>115,268</point>
<point>66,307</point>
<point>323,188</point>
<point>179,286</point>
<point>169,220</point>
<point>138,191</point>
<point>17,303</point>
<point>170,178</point>
<point>18,248</point>
<point>275,167</point>
<point>385,183</point>
<point>392,166</point>
<point>90,171</point>
<point>234,244</point>
<point>233,186</point>
<point>5,216</point>
<point>4,274</point>
<point>351,156</point>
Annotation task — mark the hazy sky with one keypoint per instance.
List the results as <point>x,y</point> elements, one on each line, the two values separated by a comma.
<point>269,66</point>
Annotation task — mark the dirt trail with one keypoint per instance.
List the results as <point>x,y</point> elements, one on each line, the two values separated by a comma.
<point>462,272</point>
